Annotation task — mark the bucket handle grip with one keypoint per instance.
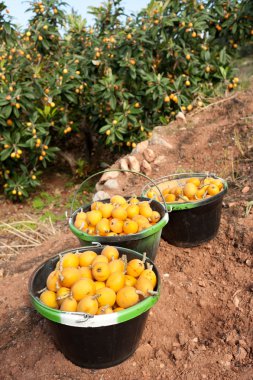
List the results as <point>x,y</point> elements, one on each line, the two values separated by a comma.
<point>121,171</point>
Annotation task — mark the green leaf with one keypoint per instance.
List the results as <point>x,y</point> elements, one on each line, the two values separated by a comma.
<point>5,154</point>
<point>234,28</point>
<point>3,102</point>
<point>177,83</point>
<point>219,10</point>
<point>223,72</point>
<point>119,135</point>
<point>104,128</point>
<point>207,55</point>
<point>29,96</point>
<point>70,98</point>
<point>223,56</point>
<point>7,28</point>
<point>16,112</point>
<point>113,102</point>
<point>45,45</point>
<point>7,111</point>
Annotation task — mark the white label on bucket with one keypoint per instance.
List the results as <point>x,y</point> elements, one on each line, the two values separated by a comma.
<point>87,320</point>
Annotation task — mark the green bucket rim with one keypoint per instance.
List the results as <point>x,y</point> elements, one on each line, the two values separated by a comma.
<point>112,239</point>
<point>77,319</point>
<point>175,206</point>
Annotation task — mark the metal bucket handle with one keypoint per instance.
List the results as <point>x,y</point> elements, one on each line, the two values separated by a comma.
<point>116,170</point>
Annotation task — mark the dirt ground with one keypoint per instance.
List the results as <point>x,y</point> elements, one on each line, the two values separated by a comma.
<point>202,326</point>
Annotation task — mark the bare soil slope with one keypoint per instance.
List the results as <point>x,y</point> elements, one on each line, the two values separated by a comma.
<point>202,326</point>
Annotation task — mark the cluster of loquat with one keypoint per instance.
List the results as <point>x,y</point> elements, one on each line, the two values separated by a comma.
<point>98,283</point>
<point>117,217</point>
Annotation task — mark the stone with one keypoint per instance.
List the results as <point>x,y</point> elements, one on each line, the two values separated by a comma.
<point>100,195</point>
<point>241,355</point>
<point>228,357</point>
<point>159,160</point>
<point>108,175</point>
<point>141,147</point>
<point>178,354</point>
<point>232,337</point>
<point>202,302</point>
<point>182,338</point>
<point>111,184</point>
<point>99,186</point>
<point>236,301</point>
<point>243,344</point>
<point>248,262</point>
<point>145,351</point>
<point>104,165</point>
<point>226,360</point>
<point>146,167</point>
<point>180,117</point>
<point>246,189</point>
<point>123,165</point>
<point>133,163</point>
<point>149,155</point>
<point>159,140</point>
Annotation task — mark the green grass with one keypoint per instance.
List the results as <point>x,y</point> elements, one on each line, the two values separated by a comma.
<point>45,199</point>
<point>81,200</point>
<point>50,215</point>
<point>45,202</point>
<point>69,185</point>
<point>38,204</point>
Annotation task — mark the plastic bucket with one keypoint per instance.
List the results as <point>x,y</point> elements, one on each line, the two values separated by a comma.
<point>90,341</point>
<point>145,241</point>
<point>192,223</point>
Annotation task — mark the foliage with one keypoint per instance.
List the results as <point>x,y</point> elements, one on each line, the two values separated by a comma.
<point>126,74</point>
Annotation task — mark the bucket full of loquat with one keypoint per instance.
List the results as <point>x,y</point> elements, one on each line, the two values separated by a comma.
<point>96,301</point>
<point>132,222</point>
<point>194,202</point>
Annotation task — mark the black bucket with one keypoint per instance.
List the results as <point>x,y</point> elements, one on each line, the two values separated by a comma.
<point>90,341</point>
<point>145,241</point>
<point>193,223</point>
